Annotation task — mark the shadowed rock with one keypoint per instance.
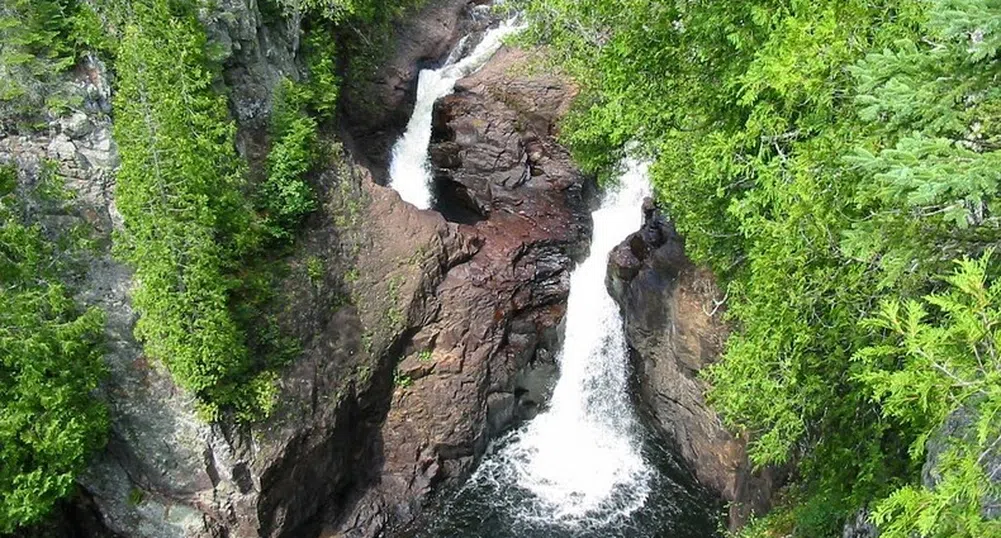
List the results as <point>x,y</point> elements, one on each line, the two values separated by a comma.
<point>673,316</point>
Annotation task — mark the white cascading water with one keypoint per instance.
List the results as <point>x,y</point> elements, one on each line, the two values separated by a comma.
<point>581,460</point>
<point>410,171</point>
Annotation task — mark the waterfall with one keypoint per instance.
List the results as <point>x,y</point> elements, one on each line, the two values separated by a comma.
<point>582,460</point>
<point>410,168</point>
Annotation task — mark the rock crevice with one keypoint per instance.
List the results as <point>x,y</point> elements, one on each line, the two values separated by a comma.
<point>672,310</point>
<point>486,328</point>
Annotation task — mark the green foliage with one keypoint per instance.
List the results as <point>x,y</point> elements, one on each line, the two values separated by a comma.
<point>314,269</point>
<point>819,157</point>
<point>187,223</point>
<point>324,83</point>
<point>402,380</point>
<point>50,364</point>
<point>8,180</point>
<point>941,357</point>
<point>285,197</point>
<point>40,40</point>
<point>364,11</point>
<point>136,497</point>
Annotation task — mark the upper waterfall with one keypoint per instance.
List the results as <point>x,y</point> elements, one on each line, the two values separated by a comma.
<point>410,168</point>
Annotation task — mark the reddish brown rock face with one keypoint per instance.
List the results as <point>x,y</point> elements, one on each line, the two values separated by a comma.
<point>484,327</point>
<point>673,315</point>
<point>421,337</point>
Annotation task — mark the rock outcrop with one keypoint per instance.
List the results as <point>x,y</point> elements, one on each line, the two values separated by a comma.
<point>860,526</point>
<point>80,148</point>
<point>483,334</point>
<point>672,310</point>
<point>257,54</point>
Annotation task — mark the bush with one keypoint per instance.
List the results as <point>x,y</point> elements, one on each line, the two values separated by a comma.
<point>285,196</point>
<point>819,157</point>
<point>941,358</point>
<point>39,41</point>
<point>51,362</point>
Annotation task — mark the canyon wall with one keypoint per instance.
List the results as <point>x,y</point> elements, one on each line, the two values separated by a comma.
<point>673,313</point>
<point>422,338</point>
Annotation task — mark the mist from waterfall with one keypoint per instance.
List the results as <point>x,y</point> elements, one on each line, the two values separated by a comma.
<point>582,459</point>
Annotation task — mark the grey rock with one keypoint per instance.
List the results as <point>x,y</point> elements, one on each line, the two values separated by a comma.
<point>78,125</point>
<point>95,85</point>
<point>960,426</point>
<point>258,54</point>
<point>99,151</point>
<point>860,526</point>
<point>61,148</point>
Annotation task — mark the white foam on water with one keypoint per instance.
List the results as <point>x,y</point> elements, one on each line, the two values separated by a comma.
<point>410,171</point>
<point>581,460</point>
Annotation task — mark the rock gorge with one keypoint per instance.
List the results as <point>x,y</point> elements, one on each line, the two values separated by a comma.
<point>425,335</point>
<point>674,323</point>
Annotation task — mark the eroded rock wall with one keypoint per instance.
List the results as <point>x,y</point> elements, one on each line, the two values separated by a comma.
<point>482,336</point>
<point>672,311</point>
<point>422,338</point>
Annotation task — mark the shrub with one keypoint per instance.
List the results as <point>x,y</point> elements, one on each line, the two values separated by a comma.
<point>285,196</point>
<point>39,41</point>
<point>51,362</point>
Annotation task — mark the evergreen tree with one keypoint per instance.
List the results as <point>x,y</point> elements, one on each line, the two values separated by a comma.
<point>50,364</point>
<point>821,157</point>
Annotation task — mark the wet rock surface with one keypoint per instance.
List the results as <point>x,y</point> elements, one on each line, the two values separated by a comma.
<point>485,326</point>
<point>493,142</point>
<point>672,311</point>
